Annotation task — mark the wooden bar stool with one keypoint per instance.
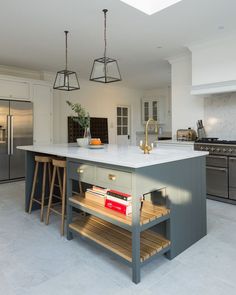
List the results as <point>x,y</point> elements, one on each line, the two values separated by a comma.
<point>46,162</point>
<point>57,164</point>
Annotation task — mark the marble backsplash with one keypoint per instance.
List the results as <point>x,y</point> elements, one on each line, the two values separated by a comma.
<point>220,116</point>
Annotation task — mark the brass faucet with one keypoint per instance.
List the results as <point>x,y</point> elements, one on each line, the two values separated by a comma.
<point>144,146</point>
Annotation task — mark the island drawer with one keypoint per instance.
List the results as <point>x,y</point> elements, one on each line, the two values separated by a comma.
<point>114,178</point>
<point>82,172</point>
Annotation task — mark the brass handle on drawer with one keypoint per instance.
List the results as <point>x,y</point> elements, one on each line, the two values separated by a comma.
<point>112,177</point>
<point>80,171</point>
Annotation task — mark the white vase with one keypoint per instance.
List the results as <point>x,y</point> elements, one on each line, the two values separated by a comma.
<point>83,141</point>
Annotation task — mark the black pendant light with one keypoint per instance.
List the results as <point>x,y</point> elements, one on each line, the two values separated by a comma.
<point>66,80</point>
<point>105,69</point>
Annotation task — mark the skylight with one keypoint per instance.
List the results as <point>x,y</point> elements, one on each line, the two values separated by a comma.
<point>150,6</point>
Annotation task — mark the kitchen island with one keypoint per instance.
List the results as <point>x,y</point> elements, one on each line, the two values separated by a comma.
<point>173,215</point>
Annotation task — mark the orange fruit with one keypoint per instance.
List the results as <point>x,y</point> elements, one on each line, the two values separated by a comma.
<point>95,141</point>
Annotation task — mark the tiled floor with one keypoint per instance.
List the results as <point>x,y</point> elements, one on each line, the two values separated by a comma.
<point>35,260</point>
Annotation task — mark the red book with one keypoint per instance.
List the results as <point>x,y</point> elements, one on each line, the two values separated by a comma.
<point>118,207</point>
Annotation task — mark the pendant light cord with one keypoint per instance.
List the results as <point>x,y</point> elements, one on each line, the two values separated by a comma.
<point>66,33</point>
<point>105,33</point>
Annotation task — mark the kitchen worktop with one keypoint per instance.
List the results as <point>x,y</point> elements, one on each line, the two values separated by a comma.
<point>126,156</point>
<point>174,141</point>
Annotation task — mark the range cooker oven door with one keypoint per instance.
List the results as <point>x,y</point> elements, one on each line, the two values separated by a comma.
<point>232,178</point>
<point>217,176</point>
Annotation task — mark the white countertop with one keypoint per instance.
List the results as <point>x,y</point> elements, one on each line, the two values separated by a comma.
<point>126,156</point>
<point>174,141</point>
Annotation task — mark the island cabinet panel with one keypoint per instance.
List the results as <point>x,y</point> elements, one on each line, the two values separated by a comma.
<point>82,171</point>
<point>172,216</point>
<point>185,183</point>
<point>135,238</point>
<point>114,178</point>
<point>102,176</point>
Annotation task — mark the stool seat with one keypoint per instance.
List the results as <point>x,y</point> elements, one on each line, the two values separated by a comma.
<point>43,159</point>
<point>58,165</point>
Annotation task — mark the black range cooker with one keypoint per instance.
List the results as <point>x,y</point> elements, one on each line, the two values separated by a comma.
<point>220,168</point>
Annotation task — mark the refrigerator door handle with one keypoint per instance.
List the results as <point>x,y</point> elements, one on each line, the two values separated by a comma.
<point>8,135</point>
<point>12,135</point>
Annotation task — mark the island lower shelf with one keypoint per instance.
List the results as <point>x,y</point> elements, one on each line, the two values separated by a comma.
<point>119,240</point>
<point>149,215</point>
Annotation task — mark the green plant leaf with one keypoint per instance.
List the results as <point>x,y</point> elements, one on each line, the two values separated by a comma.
<point>82,118</point>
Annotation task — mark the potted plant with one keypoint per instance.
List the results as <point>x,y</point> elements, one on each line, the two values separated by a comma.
<point>83,119</point>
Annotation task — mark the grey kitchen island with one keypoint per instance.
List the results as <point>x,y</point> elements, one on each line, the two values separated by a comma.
<point>172,216</point>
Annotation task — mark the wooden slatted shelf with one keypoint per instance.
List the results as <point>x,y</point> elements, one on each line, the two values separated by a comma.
<point>118,240</point>
<point>149,211</point>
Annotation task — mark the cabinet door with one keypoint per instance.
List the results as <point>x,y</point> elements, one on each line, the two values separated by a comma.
<point>123,125</point>
<point>153,108</point>
<point>14,89</point>
<point>146,110</point>
<point>43,124</point>
<point>4,140</point>
<point>232,178</point>
<point>150,109</point>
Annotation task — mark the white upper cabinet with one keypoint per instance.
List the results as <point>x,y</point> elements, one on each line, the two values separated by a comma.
<point>43,107</point>
<point>153,107</point>
<point>40,93</point>
<point>14,89</point>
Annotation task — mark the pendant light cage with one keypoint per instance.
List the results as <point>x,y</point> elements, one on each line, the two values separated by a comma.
<point>105,69</point>
<point>66,80</point>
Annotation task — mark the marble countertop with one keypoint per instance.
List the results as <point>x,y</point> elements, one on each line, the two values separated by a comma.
<point>174,141</point>
<point>125,156</point>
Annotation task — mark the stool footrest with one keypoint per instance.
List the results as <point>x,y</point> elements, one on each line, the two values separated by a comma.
<point>58,197</point>
<point>55,211</point>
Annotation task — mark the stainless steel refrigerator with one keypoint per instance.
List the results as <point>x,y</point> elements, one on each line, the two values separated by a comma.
<point>16,128</point>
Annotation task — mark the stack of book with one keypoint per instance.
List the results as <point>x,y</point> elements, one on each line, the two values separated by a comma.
<point>118,201</point>
<point>96,194</point>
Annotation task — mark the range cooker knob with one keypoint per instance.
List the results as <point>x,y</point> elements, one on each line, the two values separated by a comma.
<point>230,150</point>
<point>207,148</point>
<point>201,148</point>
<point>218,150</point>
<point>224,150</point>
<point>212,149</point>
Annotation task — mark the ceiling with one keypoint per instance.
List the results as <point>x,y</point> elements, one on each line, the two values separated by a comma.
<point>32,35</point>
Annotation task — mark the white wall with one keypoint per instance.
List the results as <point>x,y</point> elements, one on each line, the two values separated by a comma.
<point>164,94</point>
<point>186,108</point>
<point>214,61</point>
<point>100,101</point>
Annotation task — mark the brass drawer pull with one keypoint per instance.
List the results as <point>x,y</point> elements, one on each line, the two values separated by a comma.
<point>80,171</point>
<point>112,177</point>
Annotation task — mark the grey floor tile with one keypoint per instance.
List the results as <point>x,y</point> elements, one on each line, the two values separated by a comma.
<point>35,259</point>
<point>187,280</point>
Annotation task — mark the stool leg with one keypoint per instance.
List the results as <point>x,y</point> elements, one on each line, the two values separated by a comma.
<point>63,202</point>
<point>51,193</point>
<point>49,173</point>
<point>59,181</point>
<point>33,187</point>
<point>43,191</point>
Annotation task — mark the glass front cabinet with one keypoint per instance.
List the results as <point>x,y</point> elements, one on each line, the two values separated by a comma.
<point>152,108</point>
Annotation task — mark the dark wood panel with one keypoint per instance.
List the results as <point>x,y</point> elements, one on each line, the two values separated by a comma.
<point>98,128</point>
